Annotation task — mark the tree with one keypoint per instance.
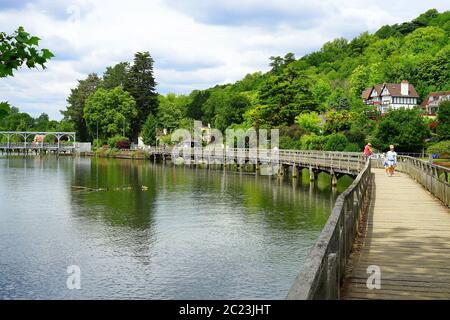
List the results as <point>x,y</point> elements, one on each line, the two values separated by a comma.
<point>336,142</point>
<point>443,117</point>
<point>231,112</point>
<point>309,121</point>
<point>170,111</point>
<point>116,76</point>
<point>5,108</point>
<point>113,110</point>
<point>141,85</point>
<point>74,112</point>
<point>404,128</point>
<point>21,48</point>
<point>42,123</point>
<point>287,94</point>
<point>194,109</point>
<point>149,128</point>
<point>17,121</point>
<point>336,121</point>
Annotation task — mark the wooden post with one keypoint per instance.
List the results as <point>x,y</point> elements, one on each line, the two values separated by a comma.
<point>332,286</point>
<point>294,171</point>
<point>312,174</point>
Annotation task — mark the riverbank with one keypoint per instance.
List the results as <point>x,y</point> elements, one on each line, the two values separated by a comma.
<point>119,154</point>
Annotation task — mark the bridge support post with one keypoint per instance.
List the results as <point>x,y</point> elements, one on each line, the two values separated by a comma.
<point>312,174</point>
<point>333,178</point>
<point>294,171</point>
<point>280,171</point>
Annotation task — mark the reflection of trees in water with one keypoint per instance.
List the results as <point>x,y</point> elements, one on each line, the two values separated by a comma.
<point>121,200</point>
<point>286,204</point>
<point>280,204</point>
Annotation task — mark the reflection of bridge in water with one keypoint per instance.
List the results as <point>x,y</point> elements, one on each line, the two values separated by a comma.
<point>19,142</point>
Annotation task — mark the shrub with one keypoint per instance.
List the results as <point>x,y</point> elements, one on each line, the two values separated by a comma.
<point>312,142</point>
<point>287,142</point>
<point>443,118</point>
<point>352,147</point>
<point>441,148</point>
<point>96,144</point>
<point>335,142</point>
<point>119,142</point>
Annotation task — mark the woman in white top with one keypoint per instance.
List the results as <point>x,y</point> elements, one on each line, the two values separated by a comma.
<point>391,157</point>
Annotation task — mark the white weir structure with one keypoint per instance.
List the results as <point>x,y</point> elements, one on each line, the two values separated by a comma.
<point>26,142</point>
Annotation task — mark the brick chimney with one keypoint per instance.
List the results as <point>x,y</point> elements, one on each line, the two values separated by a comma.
<point>404,88</point>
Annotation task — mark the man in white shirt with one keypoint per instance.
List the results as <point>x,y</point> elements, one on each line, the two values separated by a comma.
<point>391,157</point>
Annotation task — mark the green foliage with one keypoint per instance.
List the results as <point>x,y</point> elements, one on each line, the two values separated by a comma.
<point>441,148</point>
<point>148,132</point>
<point>287,142</point>
<point>285,95</point>
<point>141,85</point>
<point>194,108</point>
<point>74,112</point>
<point>336,121</point>
<point>116,76</point>
<point>17,121</point>
<point>352,147</point>
<point>5,108</point>
<point>21,48</point>
<point>313,142</point>
<point>335,142</point>
<point>309,121</point>
<point>405,129</point>
<point>119,142</point>
<point>171,110</point>
<point>228,108</point>
<point>443,118</point>
<point>113,110</point>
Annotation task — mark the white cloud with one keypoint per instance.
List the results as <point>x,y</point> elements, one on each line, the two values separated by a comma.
<point>195,44</point>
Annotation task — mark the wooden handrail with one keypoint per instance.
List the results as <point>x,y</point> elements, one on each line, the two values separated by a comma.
<point>323,269</point>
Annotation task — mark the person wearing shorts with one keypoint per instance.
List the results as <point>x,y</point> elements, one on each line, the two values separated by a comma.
<point>391,158</point>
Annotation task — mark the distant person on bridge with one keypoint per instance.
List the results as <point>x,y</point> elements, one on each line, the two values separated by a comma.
<point>391,157</point>
<point>368,150</point>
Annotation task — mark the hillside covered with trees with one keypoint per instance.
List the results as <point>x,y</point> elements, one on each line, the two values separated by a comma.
<point>314,100</point>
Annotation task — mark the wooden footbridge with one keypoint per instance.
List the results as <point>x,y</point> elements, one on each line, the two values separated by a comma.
<point>386,238</point>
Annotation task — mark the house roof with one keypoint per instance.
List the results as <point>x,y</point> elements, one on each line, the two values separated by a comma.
<point>438,93</point>
<point>378,88</point>
<point>395,90</point>
<point>366,93</point>
<point>434,94</point>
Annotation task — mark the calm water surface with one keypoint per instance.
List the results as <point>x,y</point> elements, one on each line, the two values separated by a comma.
<point>193,234</point>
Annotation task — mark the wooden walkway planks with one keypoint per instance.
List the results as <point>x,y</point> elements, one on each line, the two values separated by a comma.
<point>408,237</point>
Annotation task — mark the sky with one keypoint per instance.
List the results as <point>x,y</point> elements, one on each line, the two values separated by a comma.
<point>195,44</point>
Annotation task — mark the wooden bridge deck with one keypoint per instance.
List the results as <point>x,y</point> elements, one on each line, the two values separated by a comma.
<point>408,237</point>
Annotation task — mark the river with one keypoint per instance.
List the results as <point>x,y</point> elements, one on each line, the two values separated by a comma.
<point>146,231</point>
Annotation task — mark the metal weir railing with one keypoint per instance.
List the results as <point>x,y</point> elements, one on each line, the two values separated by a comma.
<point>324,268</point>
<point>31,145</point>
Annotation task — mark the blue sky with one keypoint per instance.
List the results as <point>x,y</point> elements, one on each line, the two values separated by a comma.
<point>196,44</point>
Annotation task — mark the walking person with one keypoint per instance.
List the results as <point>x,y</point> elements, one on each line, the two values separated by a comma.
<point>368,150</point>
<point>391,157</point>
